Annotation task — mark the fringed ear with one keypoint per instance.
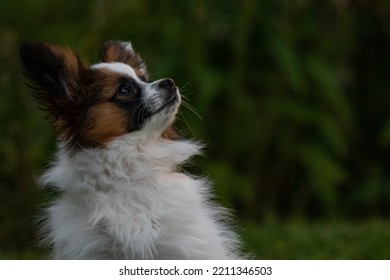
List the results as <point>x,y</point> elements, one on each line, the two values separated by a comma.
<point>118,51</point>
<point>55,74</point>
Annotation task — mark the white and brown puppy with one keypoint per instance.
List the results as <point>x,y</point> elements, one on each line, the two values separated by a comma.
<point>122,196</point>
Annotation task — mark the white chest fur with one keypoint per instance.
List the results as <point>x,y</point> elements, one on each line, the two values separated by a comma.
<point>129,202</point>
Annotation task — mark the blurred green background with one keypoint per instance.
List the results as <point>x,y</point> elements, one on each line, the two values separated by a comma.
<point>293,98</point>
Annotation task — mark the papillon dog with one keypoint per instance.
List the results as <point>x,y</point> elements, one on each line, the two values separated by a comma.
<point>122,195</point>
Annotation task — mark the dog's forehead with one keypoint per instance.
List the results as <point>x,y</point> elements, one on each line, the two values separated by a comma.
<point>116,67</point>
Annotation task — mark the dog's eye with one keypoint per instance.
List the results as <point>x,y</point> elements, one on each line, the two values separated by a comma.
<point>124,89</point>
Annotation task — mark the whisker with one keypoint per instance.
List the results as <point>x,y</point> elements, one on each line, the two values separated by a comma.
<point>186,94</point>
<point>191,109</point>
<point>186,84</point>
<point>183,92</point>
<point>135,111</point>
<point>151,59</point>
<point>187,124</point>
<point>157,73</point>
<point>177,128</point>
<point>142,115</point>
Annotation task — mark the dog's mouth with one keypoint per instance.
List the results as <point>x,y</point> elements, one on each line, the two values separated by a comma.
<point>159,105</point>
<point>173,98</point>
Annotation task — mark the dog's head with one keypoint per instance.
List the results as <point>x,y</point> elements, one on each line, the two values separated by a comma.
<point>92,105</point>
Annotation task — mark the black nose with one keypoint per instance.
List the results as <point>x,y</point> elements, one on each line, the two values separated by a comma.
<point>167,84</point>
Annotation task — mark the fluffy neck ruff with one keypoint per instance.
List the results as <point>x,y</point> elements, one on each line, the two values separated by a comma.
<point>128,202</point>
<point>127,157</point>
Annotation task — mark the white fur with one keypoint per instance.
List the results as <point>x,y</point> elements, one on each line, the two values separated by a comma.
<point>118,67</point>
<point>128,201</point>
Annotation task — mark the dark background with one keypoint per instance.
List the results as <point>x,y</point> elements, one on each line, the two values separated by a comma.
<point>294,101</point>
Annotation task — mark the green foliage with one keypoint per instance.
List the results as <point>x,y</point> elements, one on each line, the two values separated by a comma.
<point>293,97</point>
<point>296,240</point>
<point>299,240</point>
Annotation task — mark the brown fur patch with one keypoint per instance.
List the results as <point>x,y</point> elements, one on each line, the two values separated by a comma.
<point>105,84</point>
<point>170,133</point>
<point>105,122</point>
